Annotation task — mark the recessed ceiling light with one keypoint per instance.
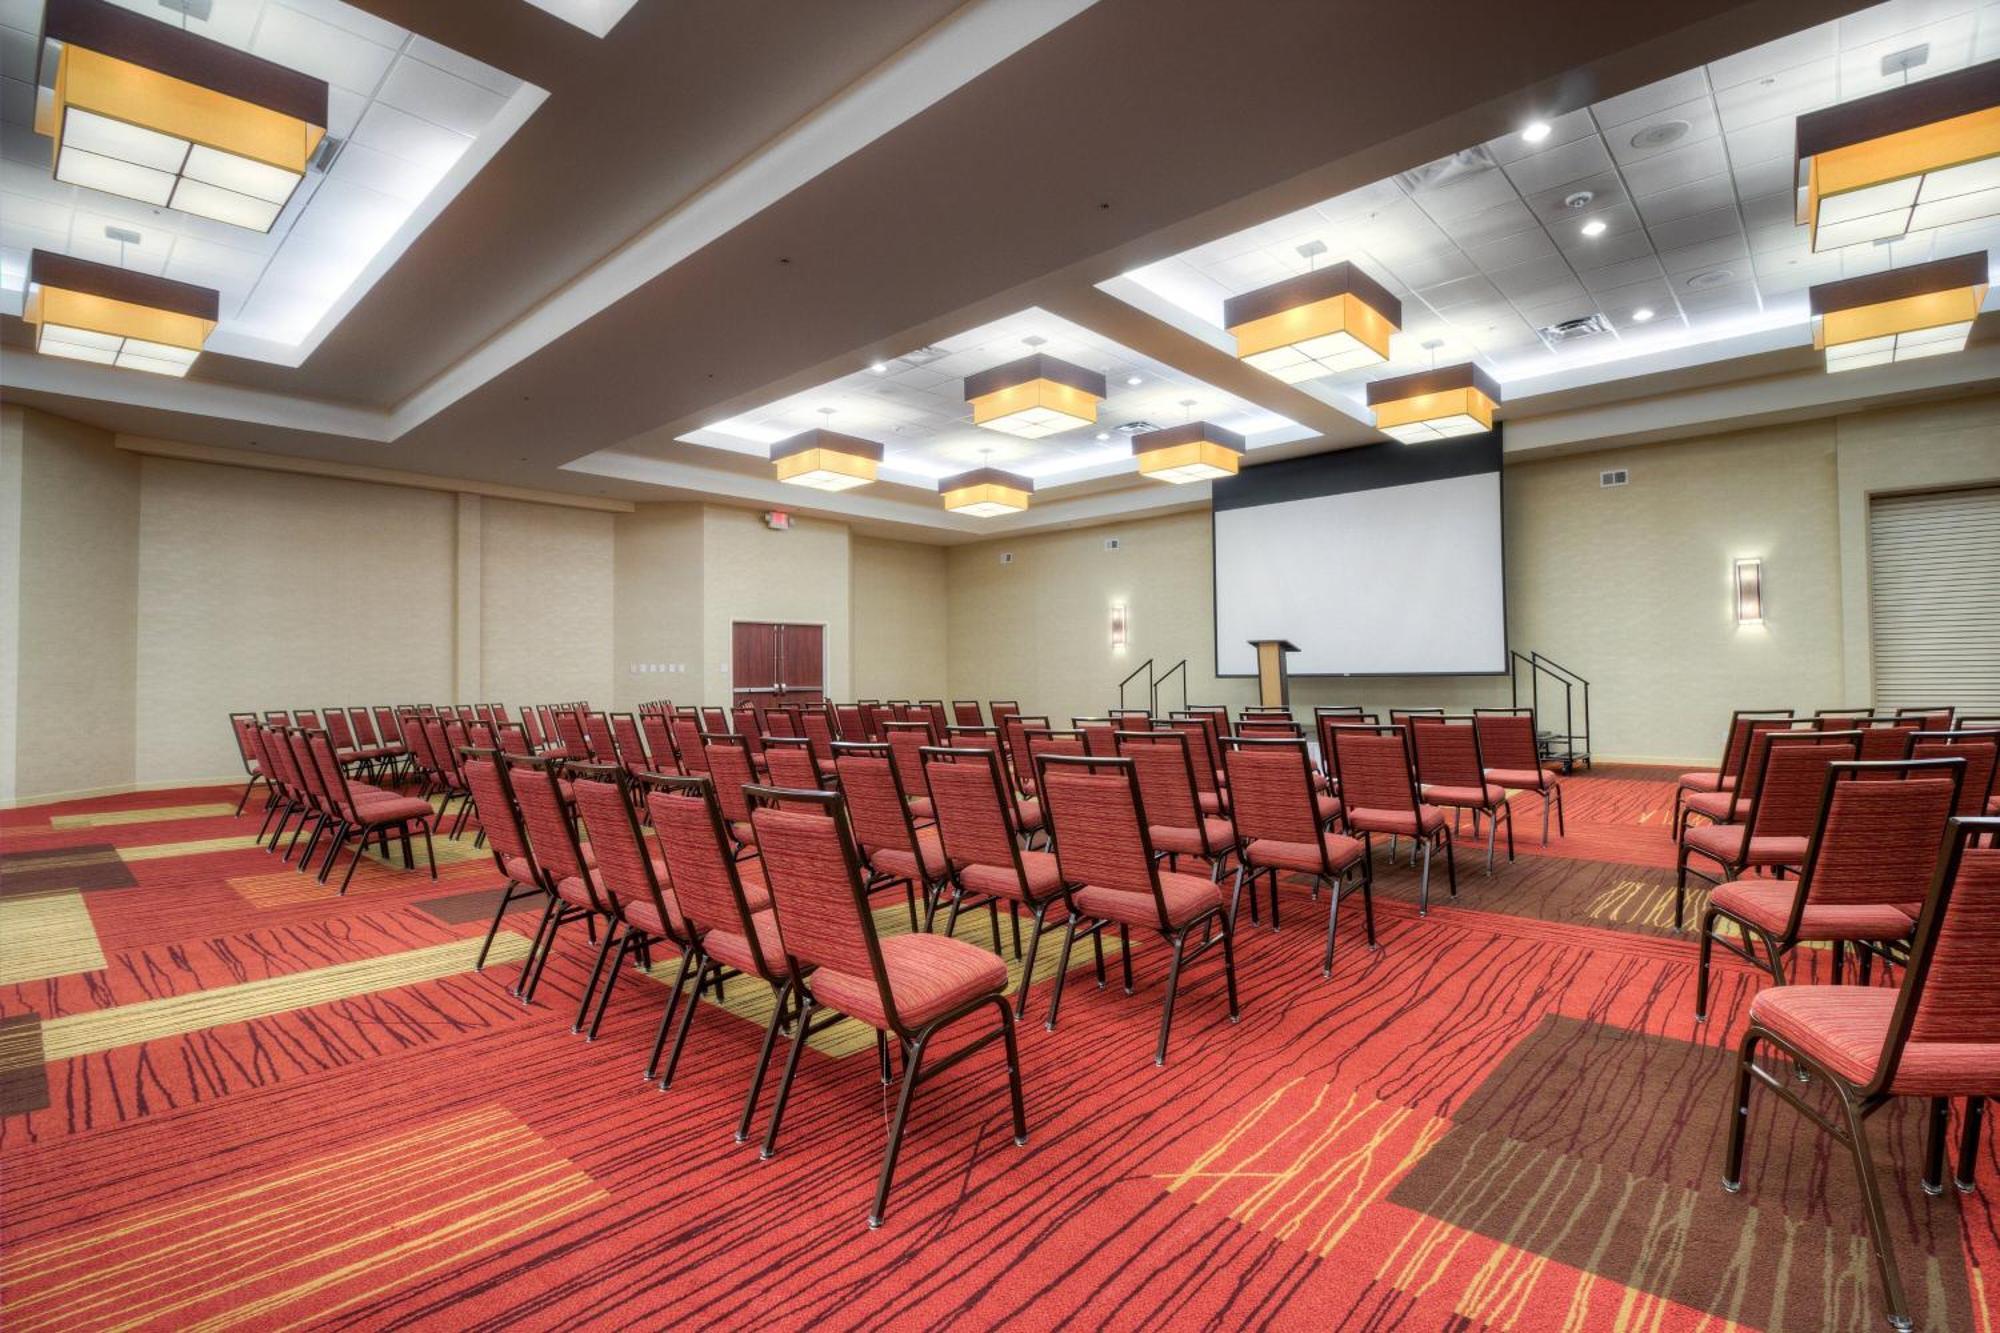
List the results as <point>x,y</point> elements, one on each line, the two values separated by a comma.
<point>880,368</point>
<point>1135,380</point>
<point>1535,132</point>
<point>1594,227</point>
<point>1642,314</point>
<point>1104,435</point>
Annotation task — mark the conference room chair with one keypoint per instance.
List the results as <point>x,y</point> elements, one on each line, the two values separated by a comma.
<point>1513,760</point>
<point>447,783</point>
<point>780,720</point>
<point>1268,724</point>
<point>1862,880</point>
<point>1105,856</point>
<point>900,708</point>
<point>747,725</point>
<point>849,723</point>
<point>714,721</point>
<point>1451,773</point>
<point>1930,717</point>
<point>938,713</point>
<point>1731,803</point>
<point>306,718</point>
<point>241,725</point>
<point>1840,719</point>
<point>1378,795</point>
<point>895,851</point>
<point>985,862</point>
<point>1014,737</point>
<point>966,713</point>
<point>505,838</point>
<point>1041,741</point>
<point>656,729</point>
<point>1735,748</point>
<point>364,813</point>
<point>319,801</point>
<point>1324,720</point>
<point>876,718</point>
<point>1408,719</point>
<point>628,744</point>
<point>1131,719</point>
<point>1979,746</point>
<point>563,861</point>
<point>282,801</point>
<point>726,757</point>
<point>1178,827</point>
<point>998,709</point>
<point>632,881</point>
<point>1100,734</point>
<point>906,740</point>
<point>530,726</point>
<point>1774,833</point>
<point>820,729</point>
<point>1220,712</point>
<point>1267,710</point>
<point>573,742</point>
<point>1886,739</point>
<point>789,761</point>
<point>687,734</point>
<point>909,987</point>
<point>1026,811</point>
<point>729,919</point>
<point>1936,1037</point>
<point>1205,751</point>
<point>1278,830</point>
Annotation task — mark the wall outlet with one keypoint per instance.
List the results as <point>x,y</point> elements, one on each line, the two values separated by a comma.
<point>1111,543</point>
<point>1006,557</point>
<point>1614,477</point>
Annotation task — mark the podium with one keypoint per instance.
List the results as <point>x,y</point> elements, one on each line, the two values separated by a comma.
<point>1274,683</point>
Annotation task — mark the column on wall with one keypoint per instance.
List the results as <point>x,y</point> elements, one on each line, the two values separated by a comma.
<point>466,661</point>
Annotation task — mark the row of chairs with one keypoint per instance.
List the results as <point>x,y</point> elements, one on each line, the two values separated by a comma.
<point>308,780</point>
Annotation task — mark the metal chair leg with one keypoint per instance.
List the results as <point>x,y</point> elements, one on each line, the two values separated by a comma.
<point>611,932</point>
<point>804,1024</point>
<point>1878,1221</point>
<point>1739,1123</point>
<point>783,1001</point>
<point>1028,962</point>
<point>912,1063</point>
<point>667,1016</point>
<point>1968,1144</point>
<point>1173,988</point>
<point>1937,1124</point>
<point>1062,970</point>
<point>704,965</point>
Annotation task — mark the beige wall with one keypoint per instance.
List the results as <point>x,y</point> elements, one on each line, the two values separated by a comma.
<point>545,603</point>
<point>656,605</point>
<point>899,608</point>
<point>750,572</point>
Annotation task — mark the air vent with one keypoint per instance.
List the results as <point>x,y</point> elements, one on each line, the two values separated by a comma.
<point>1661,134</point>
<point>1572,330</point>
<point>326,154</point>
<point>1135,428</point>
<point>1006,557</point>
<point>1429,176</point>
<point>1110,543</point>
<point>1615,477</point>
<point>923,356</point>
<point>122,235</point>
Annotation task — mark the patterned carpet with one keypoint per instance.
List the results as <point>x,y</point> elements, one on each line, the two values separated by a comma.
<point>229,1098</point>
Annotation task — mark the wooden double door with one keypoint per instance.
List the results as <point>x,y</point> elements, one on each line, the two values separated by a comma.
<point>773,663</point>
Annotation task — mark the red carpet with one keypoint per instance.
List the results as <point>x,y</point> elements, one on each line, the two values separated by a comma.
<point>233,1099</point>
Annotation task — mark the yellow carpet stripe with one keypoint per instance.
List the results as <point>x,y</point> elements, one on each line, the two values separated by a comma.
<point>159,812</point>
<point>50,935</point>
<point>149,1020</point>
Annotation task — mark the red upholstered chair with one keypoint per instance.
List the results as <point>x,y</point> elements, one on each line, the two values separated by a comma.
<point>1451,772</point>
<point>243,725</point>
<point>1513,760</point>
<point>1379,795</point>
<point>1001,708</point>
<point>789,760</point>
<point>1937,1036</point>
<point>1205,752</point>
<point>781,720</point>
<point>563,861</point>
<point>966,713</point>
<point>714,721</point>
<point>1930,718</point>
<point>1219,712</point>
<point>531,727</point>
<point>1784,810</point>
<point>1039,741</point>
<point>906,740</point>
<point>748,727</point>
<point>1840,719</point>
<point>306,718</point>
<point>1131,719</point>
<point>629,744</point>
<point>976,831</point>
<point>1731,804</point>
<point>1979,747</point>
<point>1735,748</point>
<point>656,728</point>
<point>892,847</point>
<point>687,734</point>
<point>1166,783</point>
<point>726,758</point>
<point>900,709</point>
<point>1025,811</point>
<point>1100,734</point>
<point>1102,849</point>
<point>1278,830</point>
<point>446,781</point>
<point>1268,724</point>
<point>512,738</point>
<point>1014,734</point>
<point>1863,877</point>
<point>817,725</point>
<point>909,987</point>
<point>1884,740</point>
<point>505,838</point>
<point>849,723</point>
<point>878,716</point>
<point>273,760</point>
<point>1325,719</point>
<point>360,812</point>
<point>572,741</point>
<point>631,880</point>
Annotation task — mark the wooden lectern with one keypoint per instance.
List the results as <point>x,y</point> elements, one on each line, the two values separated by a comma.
<point>1274,684</point>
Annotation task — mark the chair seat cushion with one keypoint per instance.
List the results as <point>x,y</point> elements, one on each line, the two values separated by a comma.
<point>1477,797</point>
<point>928,975</point>
<point>1211,802</point>
<point>1725,842</point>
<point>1341,852</point>
<point>1326,808</point>
<point>1842,1028</point>
<point>1187,897</point>
<point>1395,821</point>
<point>393,810</point>
<point>1039,868</point>
<point>1028,815</point>
<point>1993,805</point>
<point>921,808</point>
<point>1767,904</point>
<point>1720,806</point>
<point>364,791</point>
<point>1522,779</point>
<point>576,893</point>
<point>1187,841</point>
<point>731,949</point>
<point>639,911</point>
<point>1706,780</point>
<point>899,864</point>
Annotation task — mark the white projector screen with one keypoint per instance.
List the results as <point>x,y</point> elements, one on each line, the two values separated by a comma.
<point>1398,572</point>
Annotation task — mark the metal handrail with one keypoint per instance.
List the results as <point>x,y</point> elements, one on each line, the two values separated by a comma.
<point>1569,679</point>
<point>1177,669</point>
<point>1145,666</point>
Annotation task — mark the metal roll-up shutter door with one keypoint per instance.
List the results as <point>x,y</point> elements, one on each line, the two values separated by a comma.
<point>1934,600</point>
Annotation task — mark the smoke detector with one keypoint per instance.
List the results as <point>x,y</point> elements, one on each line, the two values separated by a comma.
<point>1135,428</point>
<point>923,356</point>
<point>1580,200</point>
<point>1429,176</point>
<point>1573,330</point>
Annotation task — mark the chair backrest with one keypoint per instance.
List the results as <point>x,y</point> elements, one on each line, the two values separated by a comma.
<point>1743,723</point>
<point>1100,734</point>
<point>571,736</point>
<point>1043,741</point>
<point>966,713</point>
<point>531,728</point>
<point>1408,719</point>
<point>974,816</point>
<point>624,867</point>
<point>999,708</point>
<point>817,726</point>
<point>1448,753</point>
<point>789,761</point>
<point>513,738</point>
<point>727,759</point>
<point>1013,732</point>
<point>1267,710</point>
<point>438,741</point>
<point>782,720</point>
<point>931,719</point>
<point>481,736</point>
<point>307,769</point>
<point>337,730</point>
<point>1954,972</point>
<point>1268,724</point>
<point>814,871</point>
<point>1132,719</point>
<point>1792,783</point>
<point>1839,719</point>
<point>877,804</point>
<point>274,754</point>
<point>629,744</point>
<point>714,721</point>
<point>849,723</point>
<point>306,717</point>
<point>362,727</point>
<point>1880,827</point>
<point>875,717</point>
<point>659,742</point>
<point>1979,748</point>
<point>243,724</point>
<point>1221,723</point>
<point>1271,789</point>
<point>1507,739</point>
<point>687,743</point>
<point>1372,766</point>
<point>749,727</point>
<point>703,869</point>
<point>332,780</point>
<point>1099,820</point>
<point>385,724</point>
<point>906,741</point>
<point>486,776</point>
<point>1930,718</point>
<point>1204,746</point>
<point>1165,771</point>
<point>1885,739</point>
<point>1757,735</point>
<point>551,836</point>
<point>977,738</point>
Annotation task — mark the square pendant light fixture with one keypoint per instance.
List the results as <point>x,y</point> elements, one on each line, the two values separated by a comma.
<point>1320,323</point>
<point>1436,404</point>
<point>151,112</point>
<point>1900,314</point>
<point>1924,155</point>
<point>1034,397</point>
<point>115,317</point>
<point>986,492</point>
<point>1197,451</point>
<point>826,461</point>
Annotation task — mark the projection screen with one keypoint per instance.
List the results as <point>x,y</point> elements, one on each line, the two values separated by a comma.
<point>1384,560</point>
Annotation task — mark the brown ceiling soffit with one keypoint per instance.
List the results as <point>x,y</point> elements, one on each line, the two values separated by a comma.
<point>1940,275</point>
<point>851,445</point>
<point>1441,380</point>
<point>97,25</point>
<point>1318,285</point>
<point>1188,433</point>
<point>1924,102</point>
<point>48,269</point>
<point>987,476</point>
<point>1036,367</point>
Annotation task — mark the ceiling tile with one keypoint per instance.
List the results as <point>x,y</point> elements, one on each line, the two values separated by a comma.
<point>23,14</point>
<point>1676,167</point>
<point>1888,22</point>
<point>1562,129</point>
<point>465,67</point>
<point>322,50</point>
<point>17,103</point>
<point>1555,312</point>
<point>1613,276</point>
<point>42,214</point>
<point>442,99</point>
<point>1465,291</point>
<point>348,18</point>
<point>1538,281</point>
<point>1950,43</point>
<point>1785,94</point>
<point>1732,249</point>
<point>1679,233</point>
<point>1619,303</point>
<point>1568,162</point>
<point>1491,224</point>
<point>1718,303</point>
<point>1718,191</point>
<point>1509,251</point>
<point>1780,238</point>
<point>358,164</point>
<point>1553,207</point>
<point>1584,255</point>
<point>1651,100</point>
<point>1429,270</point>
<point>1629,145</point>
<point>17,55</point>
<point>1770,176</point>
<point>1458,198</point>
<point>400,134</point>
<point>1801,48</point>
<point>1769,210</point>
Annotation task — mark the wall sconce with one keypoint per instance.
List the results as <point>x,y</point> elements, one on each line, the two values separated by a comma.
<point>1118,624</point>
<point>1749,592</point>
